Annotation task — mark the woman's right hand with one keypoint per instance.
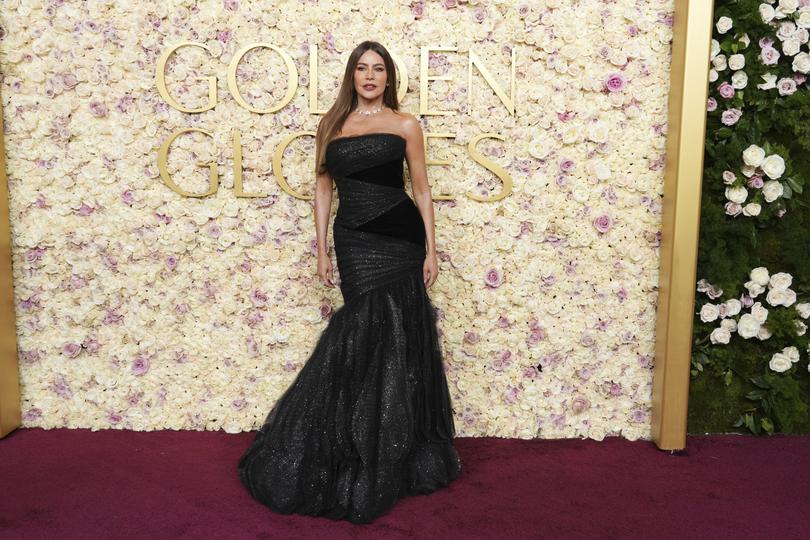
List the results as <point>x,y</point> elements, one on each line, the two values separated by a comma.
<point>325,272</point>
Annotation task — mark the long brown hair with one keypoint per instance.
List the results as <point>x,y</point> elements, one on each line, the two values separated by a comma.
<point>346,101</point>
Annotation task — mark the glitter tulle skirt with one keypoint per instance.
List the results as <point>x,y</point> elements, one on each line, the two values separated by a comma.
<point>368,419</point>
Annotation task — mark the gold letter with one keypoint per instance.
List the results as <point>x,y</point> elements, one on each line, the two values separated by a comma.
<point>509,102</point>
<point>163,160</point>
<point>494,167</point>
<point>164,91</point>
<point>424,78</point>
<point>277,155</point>
<point>313,81</point>
<point>237,168</point>
<point>292,84</point>
<point>443,197</point>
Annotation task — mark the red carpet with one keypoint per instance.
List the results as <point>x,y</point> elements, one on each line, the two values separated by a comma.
<point>167,484</point>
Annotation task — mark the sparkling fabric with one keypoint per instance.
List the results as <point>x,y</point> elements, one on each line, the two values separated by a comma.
<point>368,419</point>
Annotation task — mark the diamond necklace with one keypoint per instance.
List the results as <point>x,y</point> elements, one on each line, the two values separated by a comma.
<point>370,112</point>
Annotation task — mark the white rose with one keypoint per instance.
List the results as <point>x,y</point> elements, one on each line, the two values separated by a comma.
<point>736,61</point>
<point>803,20</point>
<point>788,6</point>
<point>792,353</point>
<point>791,46</point>
<point>801,328</point>
<point>776,297</point>
<point>748,171</point>
<point>720,62</point>
<point>759,275</point>
<point>759,313</point>
<point>754,289</point>
<point>709,312</point>
<point>739,80</point>
<point>715,48</point>
<point>766,12</point>
<point>770,81</point>
<point>720,335</point>
<point>713,75</point>
<point>733,306</point>
<point>724,24</point>
<point>763,333</point>
<point>773,166</point>
<point>753,155</point>
<point>803,309</point>
<point>772,190</point>
<point>736,194</point>
<point>752,209</point>
<point>780,363</point>
<point>780,280</point>
<point>729,324</point>
<point>748,326</point>
<point>801,63</point>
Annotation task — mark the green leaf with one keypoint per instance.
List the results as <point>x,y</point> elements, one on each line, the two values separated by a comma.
<point>761,382</point>
<point>740,421</point>
<point>787,194</point>
<point>794,185</point>
<point>727,378</point>
<point>767,425</point>
<point>756,394</point>
<point>724,132</point>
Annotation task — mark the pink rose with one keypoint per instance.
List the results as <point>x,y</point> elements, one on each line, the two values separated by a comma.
<point>615,82</point>
<point>71,350</point>
<point>493,278</point>
<point>725,90</point>
<point>140,365</point>
<point>603,223</point>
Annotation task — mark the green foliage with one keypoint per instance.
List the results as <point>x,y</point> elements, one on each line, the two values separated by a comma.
<point>732,386</point>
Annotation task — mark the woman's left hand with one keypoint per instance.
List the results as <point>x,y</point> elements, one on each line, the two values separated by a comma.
<point>430,269</point>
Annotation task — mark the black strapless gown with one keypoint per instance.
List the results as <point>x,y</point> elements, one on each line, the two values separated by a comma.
<point>368,419</point>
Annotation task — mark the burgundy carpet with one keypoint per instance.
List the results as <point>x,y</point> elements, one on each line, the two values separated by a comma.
<point>61,484</point>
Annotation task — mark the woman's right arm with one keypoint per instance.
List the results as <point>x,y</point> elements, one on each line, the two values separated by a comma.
<point>323,207</point>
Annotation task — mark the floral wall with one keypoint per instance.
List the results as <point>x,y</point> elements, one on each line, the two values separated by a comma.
<point>750,369</point>
<point>142,309</point>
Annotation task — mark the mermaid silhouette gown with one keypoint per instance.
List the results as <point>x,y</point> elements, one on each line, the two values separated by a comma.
<point>368,419</point>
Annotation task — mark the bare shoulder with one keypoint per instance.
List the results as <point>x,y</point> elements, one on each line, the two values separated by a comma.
<point>410,126</point>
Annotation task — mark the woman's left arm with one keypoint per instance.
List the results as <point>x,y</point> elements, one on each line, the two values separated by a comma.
<point>422,196</point>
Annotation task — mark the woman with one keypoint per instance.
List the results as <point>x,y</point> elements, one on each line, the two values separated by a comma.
<point>368,419</point>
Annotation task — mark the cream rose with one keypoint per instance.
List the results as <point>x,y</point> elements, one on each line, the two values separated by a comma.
<point>736,61</point>
<point>709,312</point>
<point>752,209</point>
<point>724,24</point>
<point>736,194</point>
<point>720,335</point>
<point>760,276</point>
<point>753,155</point>
<point>729,324</point>
<point>780,363</point>
<point>801,63</point>
<point>780,280</point>
<point>803,309</point>
<point>773,166</point>
<point>792,353</point>
<point>759,312</point>
<point>748,326</point>
<point>733,307</point>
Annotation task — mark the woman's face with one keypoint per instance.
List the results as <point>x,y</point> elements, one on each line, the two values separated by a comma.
<point>370,75</point>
